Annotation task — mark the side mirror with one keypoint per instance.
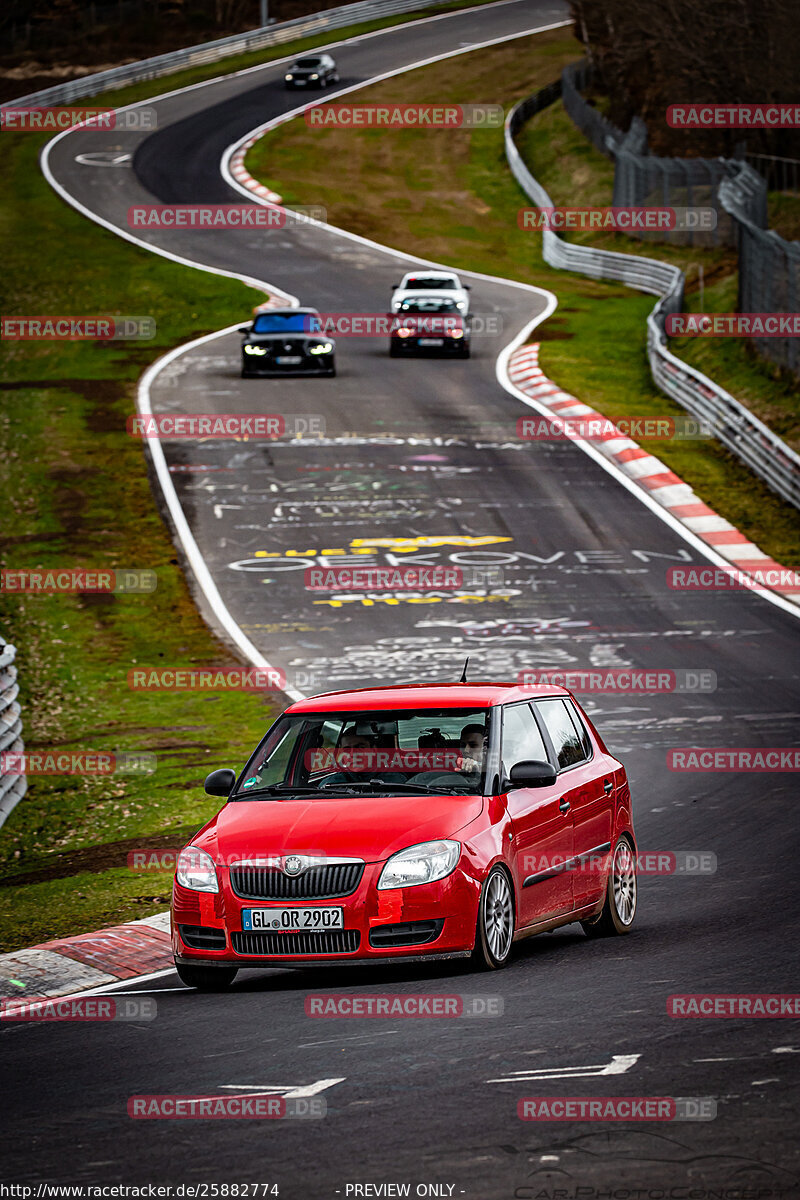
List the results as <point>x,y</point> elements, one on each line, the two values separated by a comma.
<point>467,287</point>
<point>531,773</point>
<point>220,783</point>
<point>395,286</point>
<point>244,329</point>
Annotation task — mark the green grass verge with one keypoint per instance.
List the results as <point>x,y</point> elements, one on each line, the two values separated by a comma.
<point>448,195</point>
<point>79,495</point>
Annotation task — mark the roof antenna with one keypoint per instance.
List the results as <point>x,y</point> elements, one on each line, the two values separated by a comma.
<point>463,678</point>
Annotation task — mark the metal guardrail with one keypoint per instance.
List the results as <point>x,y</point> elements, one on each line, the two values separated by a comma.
<point>730,421</point>
<point>209,52</point>
<point>769,267</point>
<point>12,787</point>
<point>642,178</point>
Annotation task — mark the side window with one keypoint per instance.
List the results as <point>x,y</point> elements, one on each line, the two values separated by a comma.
<point>521,737</point>
<point>563,734</point>
<point>583,732</point>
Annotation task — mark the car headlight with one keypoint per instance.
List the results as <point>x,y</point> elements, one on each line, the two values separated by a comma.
<point>315,76</point>
<point>321,348</point>
<point>404,332</point>
<point>424,863</point>
<point>249,349</point>
<point>195,869</point>
<point>462,304</point>
<point>288,77</point>
<point>456,333</point>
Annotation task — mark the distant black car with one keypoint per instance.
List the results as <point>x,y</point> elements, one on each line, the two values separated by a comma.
<point>287,341</point>
<point>429,325</point>
<point>315,71</point>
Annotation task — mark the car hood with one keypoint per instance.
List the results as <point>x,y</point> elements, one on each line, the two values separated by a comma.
<point>371,827</point>
<point>293,336</point>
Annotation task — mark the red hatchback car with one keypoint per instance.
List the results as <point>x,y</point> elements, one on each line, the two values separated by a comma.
<point>407,823</point>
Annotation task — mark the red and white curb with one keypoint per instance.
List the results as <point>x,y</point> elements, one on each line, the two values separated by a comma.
<point>242,175</point>
<point>89,960</point>
<point>653,476</point>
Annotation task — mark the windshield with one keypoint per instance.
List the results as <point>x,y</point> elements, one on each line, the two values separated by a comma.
<point>370,753</point>
<point>430,281</point>
<point>308,63</point>
<point>286,323</point>
<point>433,305</point>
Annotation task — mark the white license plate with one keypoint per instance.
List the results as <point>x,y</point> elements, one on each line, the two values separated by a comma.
<point>431,341</point>
<point>288,919</point>
<point>300,82</point>
<point>289,360</point>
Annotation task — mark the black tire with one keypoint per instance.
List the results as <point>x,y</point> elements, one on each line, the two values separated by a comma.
<point>493,946</point>
<point>206,979</point>
<point>465,352</point>
<point>394,351</point>
<point>619,908</point>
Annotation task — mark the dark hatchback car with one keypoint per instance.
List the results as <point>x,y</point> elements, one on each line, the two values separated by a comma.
<point>287,341</point>
<point>429,325</point>
<point>315,71</point>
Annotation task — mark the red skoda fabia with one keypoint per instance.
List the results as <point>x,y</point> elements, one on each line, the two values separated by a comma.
<point>407,823</point>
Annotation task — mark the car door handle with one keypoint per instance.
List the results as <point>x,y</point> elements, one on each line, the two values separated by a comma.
<point>563,804</point>
<point>607,787</point>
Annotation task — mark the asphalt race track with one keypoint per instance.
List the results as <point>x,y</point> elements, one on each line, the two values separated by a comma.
<point>427,449</point>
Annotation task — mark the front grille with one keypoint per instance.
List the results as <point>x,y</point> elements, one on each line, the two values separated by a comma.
<point>410,933</point>
<point>276,945</point>
<point>317,883</point>
<point>202,937</point>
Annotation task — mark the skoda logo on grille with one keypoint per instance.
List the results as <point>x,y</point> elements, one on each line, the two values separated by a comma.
<point>292,865</point>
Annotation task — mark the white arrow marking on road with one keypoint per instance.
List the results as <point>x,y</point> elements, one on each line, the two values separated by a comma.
<point>288,1091</point>
<point>219,507</point>
<point>620,1063</point>
<point>103,158</point>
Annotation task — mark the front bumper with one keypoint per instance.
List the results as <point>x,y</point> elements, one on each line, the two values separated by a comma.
<point>450,346</point>
<point>452,903</point>
<point>320,364</point>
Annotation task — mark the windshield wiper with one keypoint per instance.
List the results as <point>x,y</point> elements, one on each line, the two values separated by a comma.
<point>357,787</point>
<point>274,789</point>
